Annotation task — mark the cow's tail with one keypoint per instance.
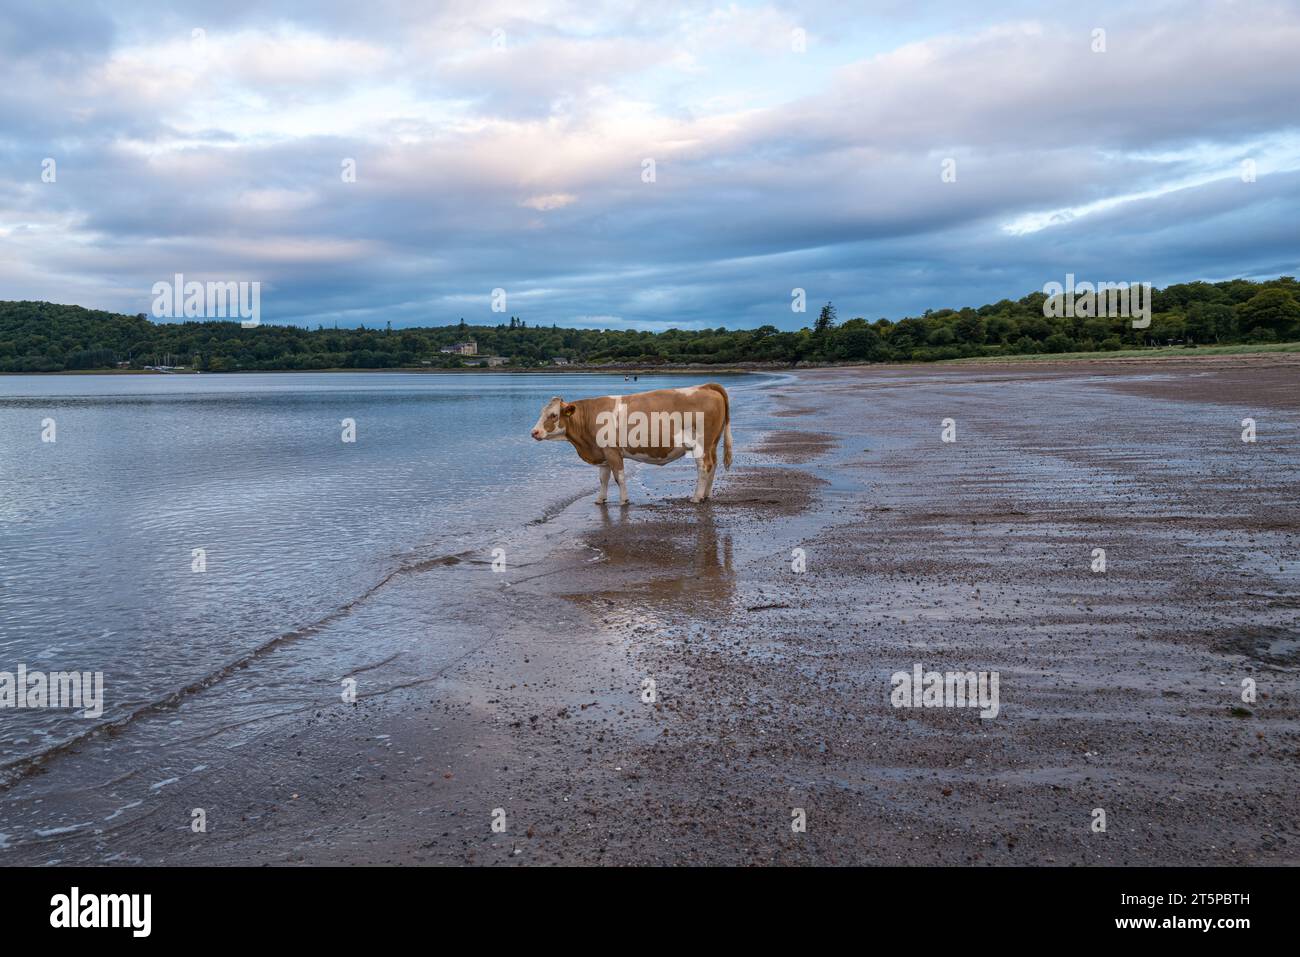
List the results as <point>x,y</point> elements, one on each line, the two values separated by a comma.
<point>726,423</point>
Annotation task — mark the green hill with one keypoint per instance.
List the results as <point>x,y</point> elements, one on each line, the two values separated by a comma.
<point>44,337</point>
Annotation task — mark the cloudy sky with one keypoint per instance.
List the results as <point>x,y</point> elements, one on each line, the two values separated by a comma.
<point>505,145</point>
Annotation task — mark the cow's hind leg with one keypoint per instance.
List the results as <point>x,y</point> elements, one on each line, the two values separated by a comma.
<point>701,475</point>
<point>712,474</point>
<point>603,494</point>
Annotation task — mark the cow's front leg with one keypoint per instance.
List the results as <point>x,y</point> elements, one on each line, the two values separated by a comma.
<point>615,461</point>
<point>604,485</point>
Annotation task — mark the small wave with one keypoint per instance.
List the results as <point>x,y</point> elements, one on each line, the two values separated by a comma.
<point>122,810</point>
<point>67,829</point>
<point>558,506</point>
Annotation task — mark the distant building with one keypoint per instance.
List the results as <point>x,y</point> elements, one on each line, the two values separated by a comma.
<point>488,361</point>
<point>559,361</point>
<point>461,349</point>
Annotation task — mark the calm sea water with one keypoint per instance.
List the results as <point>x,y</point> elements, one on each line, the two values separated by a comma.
<point>98,529</point>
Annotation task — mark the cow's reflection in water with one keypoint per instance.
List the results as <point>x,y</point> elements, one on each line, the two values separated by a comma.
<point>681,560</point>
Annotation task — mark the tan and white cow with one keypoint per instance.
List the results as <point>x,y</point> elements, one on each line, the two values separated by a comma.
<point>656,427</point>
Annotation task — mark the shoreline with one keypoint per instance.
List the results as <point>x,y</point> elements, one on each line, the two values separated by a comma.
<point>1286,351</point>
<point>543,370</point>
<point>772,688</point>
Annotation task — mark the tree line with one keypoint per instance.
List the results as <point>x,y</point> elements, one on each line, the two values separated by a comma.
<point>45,337</point>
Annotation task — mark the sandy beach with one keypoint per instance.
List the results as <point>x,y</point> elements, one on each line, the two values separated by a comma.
<point>1119,690</point>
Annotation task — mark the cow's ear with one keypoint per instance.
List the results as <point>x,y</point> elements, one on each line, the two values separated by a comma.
<point>569,410</point>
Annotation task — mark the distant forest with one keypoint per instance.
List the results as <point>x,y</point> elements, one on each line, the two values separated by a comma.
<point>44,337</point>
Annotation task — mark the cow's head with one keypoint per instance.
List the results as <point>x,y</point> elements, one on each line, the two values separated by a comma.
<point>554,417</point>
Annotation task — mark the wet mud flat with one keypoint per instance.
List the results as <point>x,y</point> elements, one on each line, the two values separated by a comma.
<point>1120,691</point>
<point>672,683</point>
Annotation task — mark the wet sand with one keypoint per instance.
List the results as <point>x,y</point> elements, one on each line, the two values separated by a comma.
<point>1119,690</point>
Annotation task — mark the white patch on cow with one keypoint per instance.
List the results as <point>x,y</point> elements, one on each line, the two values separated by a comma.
<point>672,456</point>
<point>554,406</point>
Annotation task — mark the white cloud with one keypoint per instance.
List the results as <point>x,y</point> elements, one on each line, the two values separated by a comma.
<point>549,201</point>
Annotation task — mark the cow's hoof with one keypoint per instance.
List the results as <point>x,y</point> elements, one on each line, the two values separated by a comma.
<point>695,500</point>
<point>600,501</point>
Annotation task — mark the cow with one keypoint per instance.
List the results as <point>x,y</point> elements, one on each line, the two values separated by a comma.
<point>656,427</point>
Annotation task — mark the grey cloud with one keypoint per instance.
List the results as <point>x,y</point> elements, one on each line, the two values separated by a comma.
<point>837,192</point>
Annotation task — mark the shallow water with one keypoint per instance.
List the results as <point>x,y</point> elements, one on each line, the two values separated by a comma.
<point>98,529</point>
